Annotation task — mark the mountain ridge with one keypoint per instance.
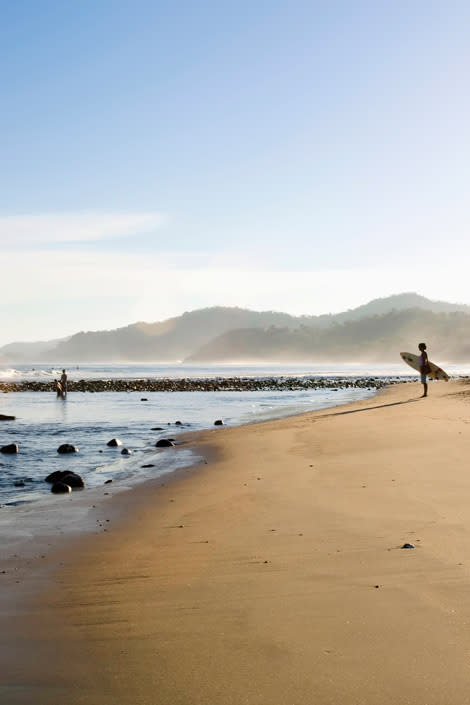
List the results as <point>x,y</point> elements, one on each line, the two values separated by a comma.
<point>193,333</point>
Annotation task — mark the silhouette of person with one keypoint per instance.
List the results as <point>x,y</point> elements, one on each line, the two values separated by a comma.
<point>63,382</point>
<point>424,367</point>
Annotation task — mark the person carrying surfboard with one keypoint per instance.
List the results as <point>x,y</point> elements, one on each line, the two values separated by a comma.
<point>424,367</point>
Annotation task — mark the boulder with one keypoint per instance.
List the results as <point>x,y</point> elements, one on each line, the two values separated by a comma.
<point>114,442</point>
<point>126,451</point>
<point>60,488</point>
<point>11,448</point>
<point>73,480</point>
<point>67,448</point>
<point>19,483</point>
<point>164,443</point>
<point>219,422</point>
<point>157,428</point>
<point>57,475</point>
<point>5,417</point>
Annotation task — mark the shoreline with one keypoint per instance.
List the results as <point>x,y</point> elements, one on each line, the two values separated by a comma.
<point>240,529</point>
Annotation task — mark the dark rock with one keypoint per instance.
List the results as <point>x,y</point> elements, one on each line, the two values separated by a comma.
<point>164,443</point>
<point>11,448</point>
<point>73,480</point>
<point>60,488</point>
<point>144,399</point>
<point>126,451</point>
<point>157,428</point>
<point>57,475</point>
<point>178,423</point>
<point>67,448</point>
<point>219,422</point>
<point>150,465</point>
<point>19,483</point>
<point>108,482</point>
<point>407,545</point>
<point>114,442</point>
<point>5,417</point>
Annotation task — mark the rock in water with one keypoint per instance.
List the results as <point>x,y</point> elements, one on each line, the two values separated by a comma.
<point>73,480</point>
<point>60,488</point>
<point>219,422</point>
<point>67,448</point>
<point>164,443</point>
<point>11,448</point>
<point>57,476</point>
<point>126,451</point>
<point>114,442</point>
<point>5,417</point>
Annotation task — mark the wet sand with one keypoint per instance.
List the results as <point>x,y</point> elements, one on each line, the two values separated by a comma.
<point>271,575</point>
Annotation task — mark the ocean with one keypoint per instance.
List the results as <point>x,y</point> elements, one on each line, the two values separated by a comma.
<point>88,421</point>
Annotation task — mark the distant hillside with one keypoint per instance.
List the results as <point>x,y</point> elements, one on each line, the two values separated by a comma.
<point>376,338</point>
<point>28,351</point>
<point>168,341</point>
<point>214,333</point>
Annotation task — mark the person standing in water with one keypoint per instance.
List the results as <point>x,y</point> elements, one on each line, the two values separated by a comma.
<point>63,382</point>
<point>424,367</point>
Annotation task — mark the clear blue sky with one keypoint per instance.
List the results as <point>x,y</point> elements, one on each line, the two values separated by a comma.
<point>159,157</point>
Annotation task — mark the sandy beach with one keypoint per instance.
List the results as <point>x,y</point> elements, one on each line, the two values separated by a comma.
<point>274,574</point>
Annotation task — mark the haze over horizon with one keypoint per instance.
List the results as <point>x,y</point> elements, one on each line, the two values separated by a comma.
<point>293,157</point>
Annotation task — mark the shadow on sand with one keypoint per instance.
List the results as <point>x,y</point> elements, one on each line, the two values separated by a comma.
<point>370,408</point>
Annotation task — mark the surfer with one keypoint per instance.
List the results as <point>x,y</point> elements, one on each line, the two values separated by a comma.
<point>424,367</point>
<point>63,381</point>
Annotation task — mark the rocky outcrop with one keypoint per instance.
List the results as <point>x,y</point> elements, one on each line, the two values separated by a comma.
<point>114,442</point>
<point>219,384</point>
<point>6,417</point>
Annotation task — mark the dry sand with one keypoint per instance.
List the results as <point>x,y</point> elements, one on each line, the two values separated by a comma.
<point>273,575</point>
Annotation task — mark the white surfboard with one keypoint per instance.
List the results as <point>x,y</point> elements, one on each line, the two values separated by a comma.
<point>413,361</point>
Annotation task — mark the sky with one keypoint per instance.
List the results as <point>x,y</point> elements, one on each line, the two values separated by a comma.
<point>158,157</point>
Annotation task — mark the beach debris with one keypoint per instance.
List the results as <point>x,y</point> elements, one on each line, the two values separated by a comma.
<point>149,465</point>
<point>10,449</point>
<point>60,488</point>
<point>126,451</point>
<point>114,442</point>
<point>67,448</point>
<point>407,545</point>
<point>218,422</point>
<point>6,417</point>
<point>164,443</point>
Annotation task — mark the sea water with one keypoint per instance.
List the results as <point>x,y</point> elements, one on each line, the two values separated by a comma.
<point>88,421</point>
